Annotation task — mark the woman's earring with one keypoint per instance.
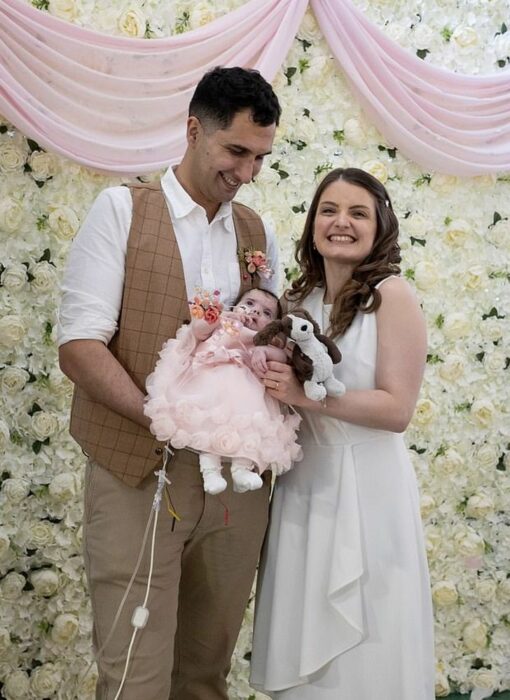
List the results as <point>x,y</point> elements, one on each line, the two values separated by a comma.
<point>313,244</point>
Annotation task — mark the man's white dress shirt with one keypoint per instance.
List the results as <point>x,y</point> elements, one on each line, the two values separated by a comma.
<point>94,276</point>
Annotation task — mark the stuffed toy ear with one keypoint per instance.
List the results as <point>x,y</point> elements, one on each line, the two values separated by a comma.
<point>266,335</point>
<point>332,349</point>
<point>303,313</point>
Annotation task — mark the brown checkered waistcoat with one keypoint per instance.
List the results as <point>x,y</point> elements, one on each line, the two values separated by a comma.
<point>154,305</point>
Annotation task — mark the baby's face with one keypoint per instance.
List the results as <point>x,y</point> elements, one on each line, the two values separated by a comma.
<point>258,309</point>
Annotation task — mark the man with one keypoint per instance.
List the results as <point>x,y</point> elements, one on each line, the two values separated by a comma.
<point>132,268</point>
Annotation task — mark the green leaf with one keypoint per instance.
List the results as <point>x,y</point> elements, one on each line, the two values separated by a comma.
<point>479,356</point>
<point>304,64</point>
<point>306,112</point>
<point>422,180</point>
<point>46,256</point>
<point>34,146</point>
<point>299,209</point>
<point>35,409</point>
<point>47,339</point>
<point>409,274</point>
<point>447,220</point>
<point>501,62</point>
<point>500,466</point>
<point>439,321</point>
<point>418,450</point>
<point>291,70</point>
<point>15,437</point>
<point>421,53</point>
<point>182,23</point>
<point>497,217</point>
<point>298,145</point>
<point>446,33</point>
<point>322,168</point>
<point>42,222</point>
<point>465,406</point>
<point>493,313</point>
<point>305,44</point>
<point>434,359</point>
<point>3,128</point>
<point>418,241</point>
<point>41,4</point>
<point>339,135</point>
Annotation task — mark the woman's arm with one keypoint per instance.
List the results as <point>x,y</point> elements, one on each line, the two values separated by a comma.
<point>401,355</point>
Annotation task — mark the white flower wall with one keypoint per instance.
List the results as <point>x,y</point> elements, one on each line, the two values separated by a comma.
<point>456,251</point>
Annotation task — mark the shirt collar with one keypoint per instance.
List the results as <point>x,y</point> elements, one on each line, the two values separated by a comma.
<point>181,204</point>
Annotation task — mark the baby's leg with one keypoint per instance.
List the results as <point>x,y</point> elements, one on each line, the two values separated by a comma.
<point>210,468</point>
<point>243,476</point>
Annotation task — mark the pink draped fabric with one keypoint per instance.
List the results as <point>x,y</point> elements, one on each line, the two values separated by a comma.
<point>444,121</point>
<point>119,104</point>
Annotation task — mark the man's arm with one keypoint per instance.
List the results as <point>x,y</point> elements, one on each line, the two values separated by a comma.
<point>92,367</point>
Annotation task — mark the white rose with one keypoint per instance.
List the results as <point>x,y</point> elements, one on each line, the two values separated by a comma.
<point>475,277</point>
<point>201,14</point>
<point>425,275</point>
<point>423,36</point>
<point>309,28</point>
<point>376,169</point>
<point>443,184</point>
<point>4,436</point>
<point>457,233</point>
<point>44,424</point>
<point>16,685</point>
<point>13,379</point>
<point>12,585</point>
<point>483,412</point>
<point>444,593</point>
<point>14,277</point>
<point>504,589</point>
<point>12,156</point>
<point>456,325</point>
<point>42,165</point>
<point>15,490</point>
<point>485,181</point>
<point>11,214</point>
<point>425,412</point>
<point>45,582</point>
<point>427,505</point>
<point>5,642</point>
<point>5,543</point>
<point>486,457</point>
<point>484,678</point>
<point>40,533</point>
<point>432,540</point>
<point>486,590</point>
<point>416,225</point>
<point>499,234</point>
<point>12,331</point>
<point>492,329</point>
<point>63,487</point>
<point>65,9</point>
<point>320,71</point>
<point>354,133</point>
<point>452,368</point>
<point>479,505</point>
<point>474,635</point>
<point>63,221</point>
<point>469,543</point>
<point>45,680</point>
<point>465,36</point>
<point>65,628</point>
<point>132,23</point>
<point>45,276</point>
<point>442,687</point>
<point>494,361</point>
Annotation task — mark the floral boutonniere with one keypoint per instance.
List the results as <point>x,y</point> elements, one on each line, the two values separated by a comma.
<point>256,263</point>
<point>206,305</point>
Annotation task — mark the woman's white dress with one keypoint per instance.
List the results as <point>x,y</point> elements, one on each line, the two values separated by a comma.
<point>343,607</point>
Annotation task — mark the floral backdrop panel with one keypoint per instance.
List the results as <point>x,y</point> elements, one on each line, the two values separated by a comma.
<point>456,252</point>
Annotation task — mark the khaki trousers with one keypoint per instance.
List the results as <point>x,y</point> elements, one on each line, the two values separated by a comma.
<point>203,573</point>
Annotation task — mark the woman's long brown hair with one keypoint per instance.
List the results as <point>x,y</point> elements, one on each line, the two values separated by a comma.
<point>359,294</point>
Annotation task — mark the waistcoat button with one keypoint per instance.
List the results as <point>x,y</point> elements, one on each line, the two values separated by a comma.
<point>159,450</point>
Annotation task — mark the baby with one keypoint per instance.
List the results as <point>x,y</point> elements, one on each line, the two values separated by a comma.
<point>205,393</point>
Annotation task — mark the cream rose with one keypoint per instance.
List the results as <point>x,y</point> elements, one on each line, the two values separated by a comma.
<point>5,642</point>
<point>11,214</point>
<point>444,593</point>
<point>45,276</point>
<point>354,133</point>
<point>504,589</point>
<point>4,436</point>
<point>443,184</point>
<point>12,331</point>
<point>499,234</point>
<point>63,487</point>
<point>469,543</point>
<point>12,156</point>
<point>309,28</point>
<point>377,169</point>
<point>40,534</point>
<point>45,582</point>
<point>5,543</point>
<point>452,368</point>
<point>486,590</point>
<point>427,505</point>
<point>15,490</point>
<point>484,678</point>
<point>474,635</point>
<point>202,14</point>
<point>12,585</point>
<point>13,379</point>
<point>65,9</point>
<point>442,687</point>
<point>492,329</point>
<point>416,225</point>
<point>132,22</point>
<point>487,456</point>
<point>426,275</point>
<point>16,685</point>
<point>457,325</point>
<point>475,277</point>
<point>425,412</point>
<point>65,628</point>
<point>44,424</point>
<point>63,221</point>
<point>479,505</point>
<point>450,462</point>
<point>14,277</point>
<point>457,233</point>
<point>495,361</point>
<point>483,411</point>
<point>45,680</point>
<point>42,165</point>
<point>465,37</point>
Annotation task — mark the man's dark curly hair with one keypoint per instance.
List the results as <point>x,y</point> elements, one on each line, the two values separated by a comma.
<point>360,293</point>
<point>223,92</point>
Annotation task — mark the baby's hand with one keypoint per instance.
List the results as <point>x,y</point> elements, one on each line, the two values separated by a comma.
<point>259,362</point>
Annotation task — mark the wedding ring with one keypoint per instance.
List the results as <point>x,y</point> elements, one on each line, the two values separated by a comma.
<point>276,386</point>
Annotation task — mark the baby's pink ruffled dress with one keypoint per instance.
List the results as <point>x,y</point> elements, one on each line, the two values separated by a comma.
<point>205,396</point>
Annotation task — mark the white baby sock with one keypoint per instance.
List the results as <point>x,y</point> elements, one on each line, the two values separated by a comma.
<point>243,478</point>
<point>210,468</point>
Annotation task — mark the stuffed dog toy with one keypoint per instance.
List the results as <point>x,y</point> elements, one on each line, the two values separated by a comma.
<point>313,354</point>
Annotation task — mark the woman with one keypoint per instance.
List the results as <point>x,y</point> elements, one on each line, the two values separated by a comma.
<point>343,608</point>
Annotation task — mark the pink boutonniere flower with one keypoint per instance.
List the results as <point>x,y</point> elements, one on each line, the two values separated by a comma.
<point>256,263</point>
<point>206,305</point>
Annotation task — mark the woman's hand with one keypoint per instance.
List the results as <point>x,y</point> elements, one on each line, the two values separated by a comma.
<point>281,384</point>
